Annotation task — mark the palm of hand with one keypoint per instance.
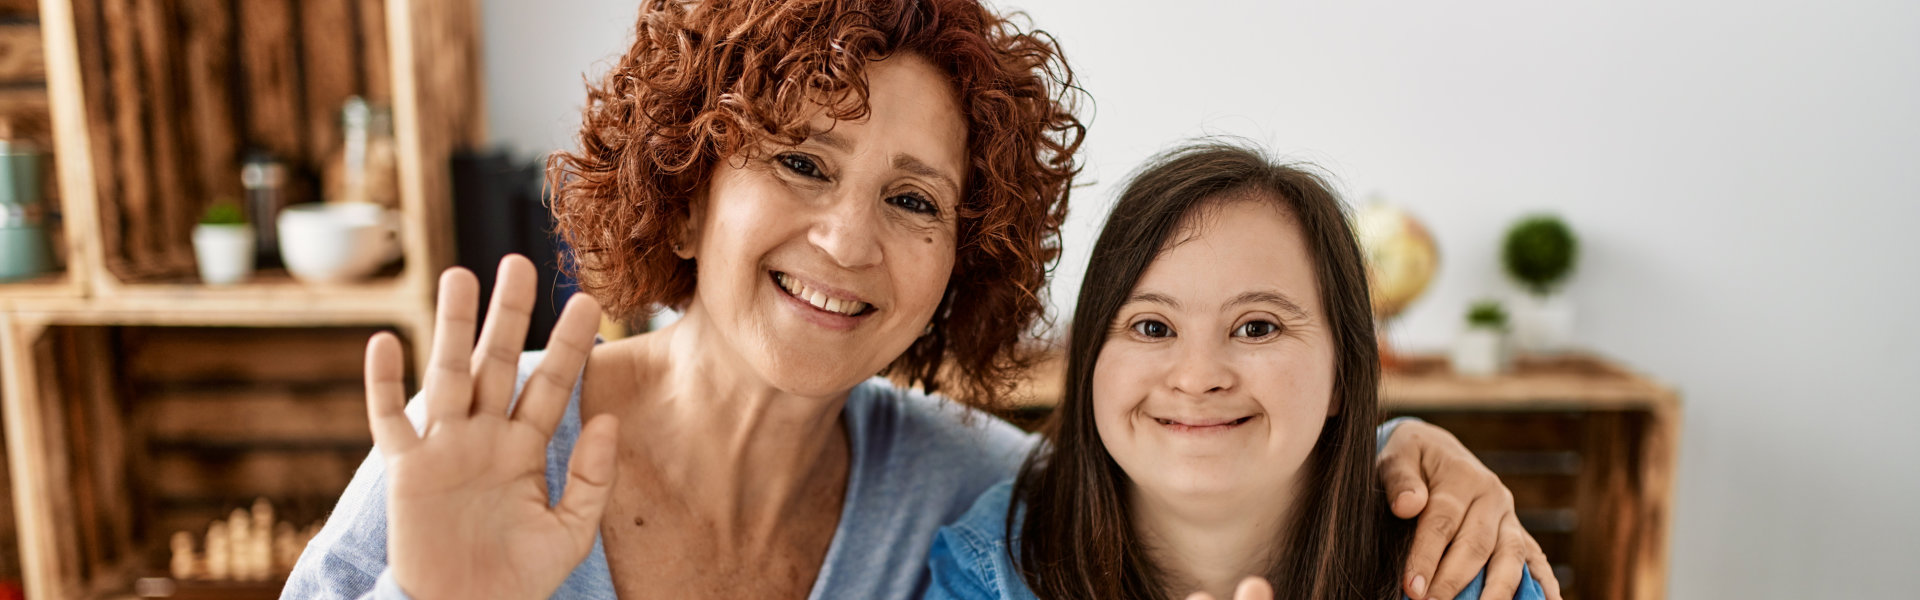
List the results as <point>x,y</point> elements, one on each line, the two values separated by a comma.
<point>468,510</point>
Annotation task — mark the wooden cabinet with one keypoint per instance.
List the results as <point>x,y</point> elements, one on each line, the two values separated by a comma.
<point>137,401</point>
<point>1586,445</point>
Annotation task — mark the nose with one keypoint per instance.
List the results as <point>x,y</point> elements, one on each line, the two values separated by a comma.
<point>1201,369</point>
<point>847,233</point>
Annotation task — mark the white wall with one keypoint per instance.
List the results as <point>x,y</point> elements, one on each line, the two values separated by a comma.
<point>1742,173</point>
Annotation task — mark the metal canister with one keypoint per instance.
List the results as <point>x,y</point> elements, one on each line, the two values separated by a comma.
<point>23,237</point>
<point>264,178</point>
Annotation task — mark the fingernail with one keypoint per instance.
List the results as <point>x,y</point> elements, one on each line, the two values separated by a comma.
<point>1419,586</point>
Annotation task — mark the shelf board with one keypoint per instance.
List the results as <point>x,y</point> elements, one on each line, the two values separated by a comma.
<point>55,286</point>
<point>270,298</point>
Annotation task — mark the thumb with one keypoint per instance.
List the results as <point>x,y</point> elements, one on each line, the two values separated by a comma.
<point>590,475</point>
<point>1253,588</point>
<point>1406,484</point>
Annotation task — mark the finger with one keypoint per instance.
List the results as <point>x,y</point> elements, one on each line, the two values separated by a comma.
<point>449,384</point>
<point>496,360</point>
<point>590,474</point>
<point>1509,555</point>
<point>1469,550</point>
<point>387,396</point>
<point>1406,486</point>
<point>1253,588</point>
<point>544,398</point>
<point>1439,521</point>
<point>1541,570</point>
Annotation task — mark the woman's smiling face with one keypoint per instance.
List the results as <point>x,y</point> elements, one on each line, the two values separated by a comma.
<point>1217,374</point>
<point>821,263</point>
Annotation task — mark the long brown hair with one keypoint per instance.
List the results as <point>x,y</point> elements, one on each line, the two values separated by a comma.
<point>1078,540</point>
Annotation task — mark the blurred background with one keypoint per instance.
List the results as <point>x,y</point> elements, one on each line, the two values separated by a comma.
<point>1740,176</point>
<point>1705,391</point>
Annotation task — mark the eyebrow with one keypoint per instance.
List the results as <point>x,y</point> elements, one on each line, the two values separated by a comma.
<point>1286,304</point>
<point>904,162</point>
<point>831,140</point>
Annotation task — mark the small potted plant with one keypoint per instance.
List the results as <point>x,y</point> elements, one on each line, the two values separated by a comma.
<point>223,245</point>
<point>1481,349</point>
<point>1539,253</point>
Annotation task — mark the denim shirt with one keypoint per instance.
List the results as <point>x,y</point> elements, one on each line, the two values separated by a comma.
<point>970,558</point>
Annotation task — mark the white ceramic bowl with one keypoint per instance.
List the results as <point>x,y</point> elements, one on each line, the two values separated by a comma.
<point>330,243</point>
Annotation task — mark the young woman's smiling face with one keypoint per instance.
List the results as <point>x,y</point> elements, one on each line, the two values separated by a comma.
<point>1217,374</point>
<point>820,264</point>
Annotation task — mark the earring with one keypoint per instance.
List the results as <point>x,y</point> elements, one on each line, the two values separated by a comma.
<point>928,331</point>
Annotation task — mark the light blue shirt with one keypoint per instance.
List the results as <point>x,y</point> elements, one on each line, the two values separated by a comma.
<point>970,558</point>
<point>918,462</point>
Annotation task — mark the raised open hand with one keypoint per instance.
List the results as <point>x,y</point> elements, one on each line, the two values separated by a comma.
<point>468,512</point>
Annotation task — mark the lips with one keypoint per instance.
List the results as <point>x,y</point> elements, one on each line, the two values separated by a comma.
<point>832,301</point>
<point>1202,424</point>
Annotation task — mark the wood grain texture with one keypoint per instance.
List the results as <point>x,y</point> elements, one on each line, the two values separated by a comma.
<point>178,201</point>
<point>331,62</point>
<point>376,66</point>
<point>207,63</point>
<point>271,72</point>
<point>21,58</point>
<point>142,251</point>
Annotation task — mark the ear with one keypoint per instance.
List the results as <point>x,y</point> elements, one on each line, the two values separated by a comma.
<point>687,241</point>
<point>1333,402</point>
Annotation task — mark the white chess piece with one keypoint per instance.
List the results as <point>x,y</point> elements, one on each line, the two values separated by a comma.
<point>182,564</point>
<point>217,555</point>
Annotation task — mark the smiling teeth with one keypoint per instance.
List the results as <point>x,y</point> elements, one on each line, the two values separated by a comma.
<point>818,298</point>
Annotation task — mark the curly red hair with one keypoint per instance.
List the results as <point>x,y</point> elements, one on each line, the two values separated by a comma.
<point>705,81</point>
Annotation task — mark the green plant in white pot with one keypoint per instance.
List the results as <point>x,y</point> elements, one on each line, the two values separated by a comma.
<point>223,245</point>
<point>1539,253</point>
<point>1481,349</point>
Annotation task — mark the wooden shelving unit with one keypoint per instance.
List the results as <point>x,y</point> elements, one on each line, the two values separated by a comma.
<point>1588,448</point>
<point>107,454</point>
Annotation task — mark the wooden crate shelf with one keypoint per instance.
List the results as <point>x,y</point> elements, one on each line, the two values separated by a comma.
<point>118,450</point>
<point>145,431</point>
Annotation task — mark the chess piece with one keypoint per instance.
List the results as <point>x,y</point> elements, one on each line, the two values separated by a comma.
<point>181,567</point>
<point>286,548</point>
<point>239,545</point>
<point>260,561</point>
<point>217,555</point>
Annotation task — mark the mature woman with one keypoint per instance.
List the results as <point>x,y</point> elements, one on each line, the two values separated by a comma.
<point>828,190</point>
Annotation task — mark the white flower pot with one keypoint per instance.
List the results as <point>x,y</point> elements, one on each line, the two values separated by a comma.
<point>1480,352</point>
<point>224,253</point>
<point>1542,324</point>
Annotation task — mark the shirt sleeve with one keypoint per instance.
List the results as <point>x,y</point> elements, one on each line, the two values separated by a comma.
<point>1385,432</point>
<point>957,573</point>
<point>348,558</point>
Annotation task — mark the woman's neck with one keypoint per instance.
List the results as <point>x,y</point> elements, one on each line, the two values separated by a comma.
<point>712,430</point>
<point>1211,544</point>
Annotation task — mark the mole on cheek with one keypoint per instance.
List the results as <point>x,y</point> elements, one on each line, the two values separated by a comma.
<point>929,240</point>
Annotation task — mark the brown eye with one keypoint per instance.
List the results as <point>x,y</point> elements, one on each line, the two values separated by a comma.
<point>800,164</point>
<point>1256,329</point>
<point>1153,329</point>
